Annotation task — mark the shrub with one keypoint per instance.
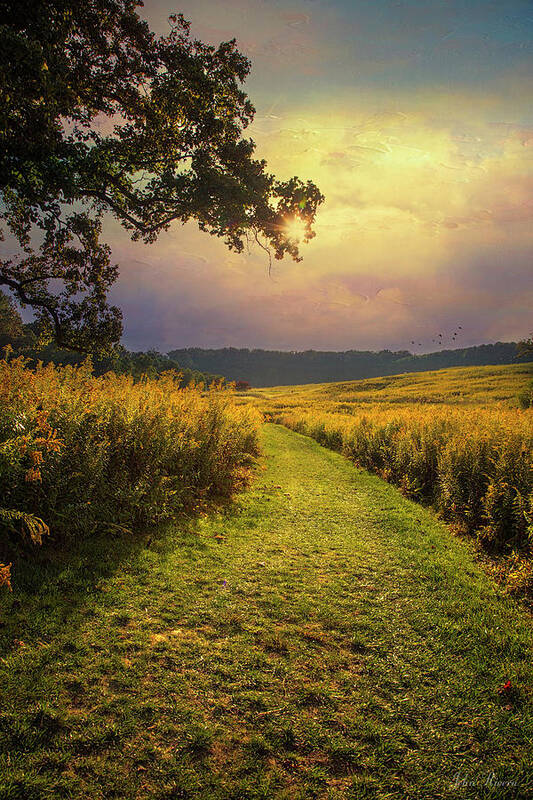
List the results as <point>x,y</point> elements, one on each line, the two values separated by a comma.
<point>79,452</point>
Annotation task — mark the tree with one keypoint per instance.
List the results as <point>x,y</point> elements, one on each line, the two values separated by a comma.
<point>525,348</point>
<point>98,114</point>
<point>11,328</point>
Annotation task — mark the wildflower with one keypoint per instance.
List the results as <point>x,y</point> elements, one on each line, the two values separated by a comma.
<point>33,475</point>
<point>5,576</point>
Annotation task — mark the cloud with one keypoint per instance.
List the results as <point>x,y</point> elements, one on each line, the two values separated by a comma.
<point>415,127</point>
<point>295,20</point>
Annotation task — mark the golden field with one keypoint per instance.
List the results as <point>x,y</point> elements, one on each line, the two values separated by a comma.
<point>471,386</point>
<point>80,453</point>
<point>456,438</point>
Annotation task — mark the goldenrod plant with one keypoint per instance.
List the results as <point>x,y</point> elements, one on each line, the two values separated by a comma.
<point>457,438</point>
<point>79,452</point>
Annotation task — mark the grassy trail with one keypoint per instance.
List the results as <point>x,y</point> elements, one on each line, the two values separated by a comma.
<point>323,638</point>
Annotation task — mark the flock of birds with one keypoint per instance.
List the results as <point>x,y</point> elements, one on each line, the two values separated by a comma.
<point>440,339</point>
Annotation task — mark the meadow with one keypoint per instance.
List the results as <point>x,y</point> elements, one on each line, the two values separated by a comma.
<point>208,593</point>
<point>319,637</point>
<point>460,439</point>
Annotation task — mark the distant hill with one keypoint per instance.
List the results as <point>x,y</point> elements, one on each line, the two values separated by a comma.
<point>279,368</point>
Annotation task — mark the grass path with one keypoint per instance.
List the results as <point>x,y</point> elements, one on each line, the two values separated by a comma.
<point>323,638</point>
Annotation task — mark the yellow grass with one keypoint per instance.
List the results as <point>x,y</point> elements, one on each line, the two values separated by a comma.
<point>79,452</point>
<point>463,386</point>
<point>456,438</point>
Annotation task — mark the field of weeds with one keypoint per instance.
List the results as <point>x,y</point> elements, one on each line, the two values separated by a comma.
<point>459,439</point>
<point>80,453</point>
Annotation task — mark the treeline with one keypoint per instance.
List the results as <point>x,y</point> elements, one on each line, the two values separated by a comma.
<point>25,340</point>
<point>124,362</point>
<point>278,368</point>
<point>256,367</point>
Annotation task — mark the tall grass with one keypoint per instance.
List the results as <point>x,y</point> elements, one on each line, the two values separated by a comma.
<point>507,385</point>
<point>460,439</point>
<point>475,465</point>
<point>78,453</point>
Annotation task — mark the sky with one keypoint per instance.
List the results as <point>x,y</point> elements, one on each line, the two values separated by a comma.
<point>415,119</point>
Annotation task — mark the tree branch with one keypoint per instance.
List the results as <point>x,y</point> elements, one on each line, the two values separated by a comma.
<point>41,303</point>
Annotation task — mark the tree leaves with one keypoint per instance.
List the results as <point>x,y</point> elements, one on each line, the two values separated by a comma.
<point>149,129</point>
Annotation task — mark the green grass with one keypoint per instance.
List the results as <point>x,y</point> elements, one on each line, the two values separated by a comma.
<point>321,638</point>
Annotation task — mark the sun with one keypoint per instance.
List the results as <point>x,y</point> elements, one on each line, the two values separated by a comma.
<point>295,229</point>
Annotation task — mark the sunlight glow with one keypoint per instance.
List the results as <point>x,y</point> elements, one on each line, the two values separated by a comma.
<point>295,229</point>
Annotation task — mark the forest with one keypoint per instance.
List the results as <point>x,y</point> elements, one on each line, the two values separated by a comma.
<point>278,368</point>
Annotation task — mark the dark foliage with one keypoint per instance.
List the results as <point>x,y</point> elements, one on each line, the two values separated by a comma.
<point>98,114</point>
<point>26,340</point>
<point>278,368</point>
